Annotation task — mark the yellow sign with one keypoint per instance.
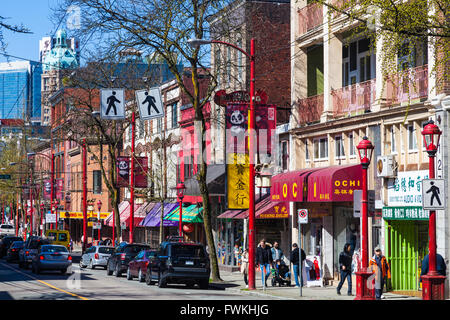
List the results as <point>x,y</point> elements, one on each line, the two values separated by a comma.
<point>237,181</point>
<point>79,215</point>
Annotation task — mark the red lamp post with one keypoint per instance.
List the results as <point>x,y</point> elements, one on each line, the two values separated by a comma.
<point>180,193</point>
<point>99,207</point>
<point>432,282</point>
<point>55,208</point>
<point>84,160</point>
<point>364,290</point>
<point>133,134</point>
<point>41,227</point>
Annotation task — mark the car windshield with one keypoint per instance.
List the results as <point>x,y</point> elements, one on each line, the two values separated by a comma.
<point>134,249</point>
<point>188,251</point>
<point>107,250</point>
<point>34,244</point>
<point>17,244</point>
<point>52,249</point>
<point>62,237</point>
<point>149,254</point>
<point>51,235</point>
<point>7,226</point>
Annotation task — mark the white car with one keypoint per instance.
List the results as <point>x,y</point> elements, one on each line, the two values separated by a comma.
<point>7,229</point>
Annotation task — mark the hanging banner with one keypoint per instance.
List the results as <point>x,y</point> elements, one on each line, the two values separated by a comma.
<point>237,181</point>
<point>140,172</point>
<point>112,104</point>
<point>123,171</point>
<point>47,189</point>
<point>59,184</point>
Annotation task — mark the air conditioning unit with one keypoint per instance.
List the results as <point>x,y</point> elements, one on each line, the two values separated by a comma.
<point>386,166</point>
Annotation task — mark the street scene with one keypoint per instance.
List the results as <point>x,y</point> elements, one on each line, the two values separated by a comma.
<point>226,150</point>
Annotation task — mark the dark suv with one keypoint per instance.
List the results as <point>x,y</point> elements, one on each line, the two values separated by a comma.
<point>119,259</point>
<point>179,262</point>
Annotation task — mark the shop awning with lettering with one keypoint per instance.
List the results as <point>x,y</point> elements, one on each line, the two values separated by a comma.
<point>334,183</point>
<point>267,209</point>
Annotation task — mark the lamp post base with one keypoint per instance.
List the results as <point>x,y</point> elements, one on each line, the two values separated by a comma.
<point>365,288</point>
<point>433,287</point>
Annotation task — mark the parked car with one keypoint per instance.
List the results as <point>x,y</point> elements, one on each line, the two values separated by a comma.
<point>179,262</point>
<point>6,242</point>
<point>51,257</point>
<point>59,237</point>
<point>13,251</point>
<point>30,249</point>
<point>7,229</point>
<point>118,261</point>
<point>137,267</point>
<point>96,256</point>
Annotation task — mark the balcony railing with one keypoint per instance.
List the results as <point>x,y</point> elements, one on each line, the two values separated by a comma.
<point>407,85</point>
<point>310,109</point>
<point>310,17</point>
<point>353,99</point>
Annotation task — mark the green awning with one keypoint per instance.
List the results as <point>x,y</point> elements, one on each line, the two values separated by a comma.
<point>190,214</point>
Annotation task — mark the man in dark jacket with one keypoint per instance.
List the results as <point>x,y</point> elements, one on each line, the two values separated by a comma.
<point>263,259</point>
<point>441,268</point>
<point>295,263</point>
<point>345,265</point>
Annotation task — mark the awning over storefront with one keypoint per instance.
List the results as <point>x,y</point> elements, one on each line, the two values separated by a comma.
<point>229,214</point>
<point>122,206</point>
<point>267,209</point>
<point>125,215</point>
<point>153,218</point>
<point>334,183</point>
<point>215,180</point>
<point>190,214</point>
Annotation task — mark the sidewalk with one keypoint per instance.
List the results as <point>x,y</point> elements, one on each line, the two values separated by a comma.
<point>234,281</point>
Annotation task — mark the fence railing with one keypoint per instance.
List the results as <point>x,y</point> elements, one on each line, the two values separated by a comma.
<point>353,99</point>
<point>310,17</point>
<point>407,85</point>
<point>310,109</point>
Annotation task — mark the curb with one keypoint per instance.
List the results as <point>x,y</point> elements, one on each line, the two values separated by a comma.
<point>248,292</point>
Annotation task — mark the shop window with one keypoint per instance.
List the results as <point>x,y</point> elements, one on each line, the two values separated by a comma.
<point>320,149</point>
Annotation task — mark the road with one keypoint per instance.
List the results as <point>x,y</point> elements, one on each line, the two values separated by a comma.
<point>87,284</point>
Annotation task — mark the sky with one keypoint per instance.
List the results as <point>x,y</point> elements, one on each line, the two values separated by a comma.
<point>33,14</point>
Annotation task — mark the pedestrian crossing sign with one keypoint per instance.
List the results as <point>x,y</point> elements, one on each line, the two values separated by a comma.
<point>433,194</point>
<point>150,103</point>
<point>112,104</point>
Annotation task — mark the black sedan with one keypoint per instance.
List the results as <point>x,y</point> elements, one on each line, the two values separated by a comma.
<point>13,251</point>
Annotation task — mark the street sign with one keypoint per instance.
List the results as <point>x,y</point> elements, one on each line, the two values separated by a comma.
<point>357,197</point>
<point>50,218</point>
<point>433,194</point>
<point>123,225</point>
<point>150,103</point>
<point>112,104</point>
<point>302,216</point>
<point>97,225</point>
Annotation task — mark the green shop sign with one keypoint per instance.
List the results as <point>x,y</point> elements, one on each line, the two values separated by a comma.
<point>405,213</point>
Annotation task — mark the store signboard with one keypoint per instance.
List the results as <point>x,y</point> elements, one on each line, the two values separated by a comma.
<point>405,213</point>
<point>406,189</point>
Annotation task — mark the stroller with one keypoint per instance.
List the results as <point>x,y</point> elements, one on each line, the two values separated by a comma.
<point>280,274</point>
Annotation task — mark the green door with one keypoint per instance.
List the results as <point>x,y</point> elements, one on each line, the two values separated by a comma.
<point>407,244</point>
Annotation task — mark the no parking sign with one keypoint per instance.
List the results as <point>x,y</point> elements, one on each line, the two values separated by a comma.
<point>302,216</point>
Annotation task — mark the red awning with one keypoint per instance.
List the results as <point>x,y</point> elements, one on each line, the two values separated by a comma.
<point>124,208</point>
<point>229,214</point>
<point>335,183</point>
<point>266,209</point>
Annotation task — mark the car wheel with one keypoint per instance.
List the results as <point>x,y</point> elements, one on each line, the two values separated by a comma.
<point>141,276</point>
<point>64,271</point>
<point>20,264</point>
<point>161,282</point>
<point>148,277</point>
<point>91,265</point>
<point>204,284</point>
<point>109,272</point>
<point>117,271</point>
<point>129,276</point>
<point>82,266</point>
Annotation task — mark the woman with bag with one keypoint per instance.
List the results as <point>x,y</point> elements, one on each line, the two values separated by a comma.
<point>244,266</point>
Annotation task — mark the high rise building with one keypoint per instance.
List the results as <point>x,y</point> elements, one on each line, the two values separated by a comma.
<point>56,53</point>
<point>20,90</point>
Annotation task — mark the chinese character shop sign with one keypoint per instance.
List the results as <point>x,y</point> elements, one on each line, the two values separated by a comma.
<point>238,178</point>
<point>406,189</point>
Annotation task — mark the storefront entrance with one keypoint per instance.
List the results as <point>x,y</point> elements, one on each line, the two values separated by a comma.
<point>406,246</point>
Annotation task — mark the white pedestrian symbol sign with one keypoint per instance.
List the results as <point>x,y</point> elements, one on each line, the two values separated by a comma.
<point>433,194</point>
<point>149,103</point>
<point>112,104</point>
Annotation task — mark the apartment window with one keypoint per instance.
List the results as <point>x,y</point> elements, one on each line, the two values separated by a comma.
<point>187,167</point>
<point>393,145</point>
<point>306,150</point>
<point>284,155</point>
<point>357,62</point>
<point>159,125</point>
<point>141,128</point>
<point>239,62</point>
<point>175,115</point>
<point>228,65</point>
<point>351,145</point>
<point>97,180</point>
<point>320,149</point>
<point>412,139</point>
<point>217,62</point>
<point>339,147</point>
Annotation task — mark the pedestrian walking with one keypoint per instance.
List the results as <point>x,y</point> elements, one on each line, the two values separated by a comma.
<point>277,253</point>
<point>263,259</point>
<point>244,266</point>
<point>378,263</point>
<point>294,257</point>
<point>441,267</point>
<point>345,265</point>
